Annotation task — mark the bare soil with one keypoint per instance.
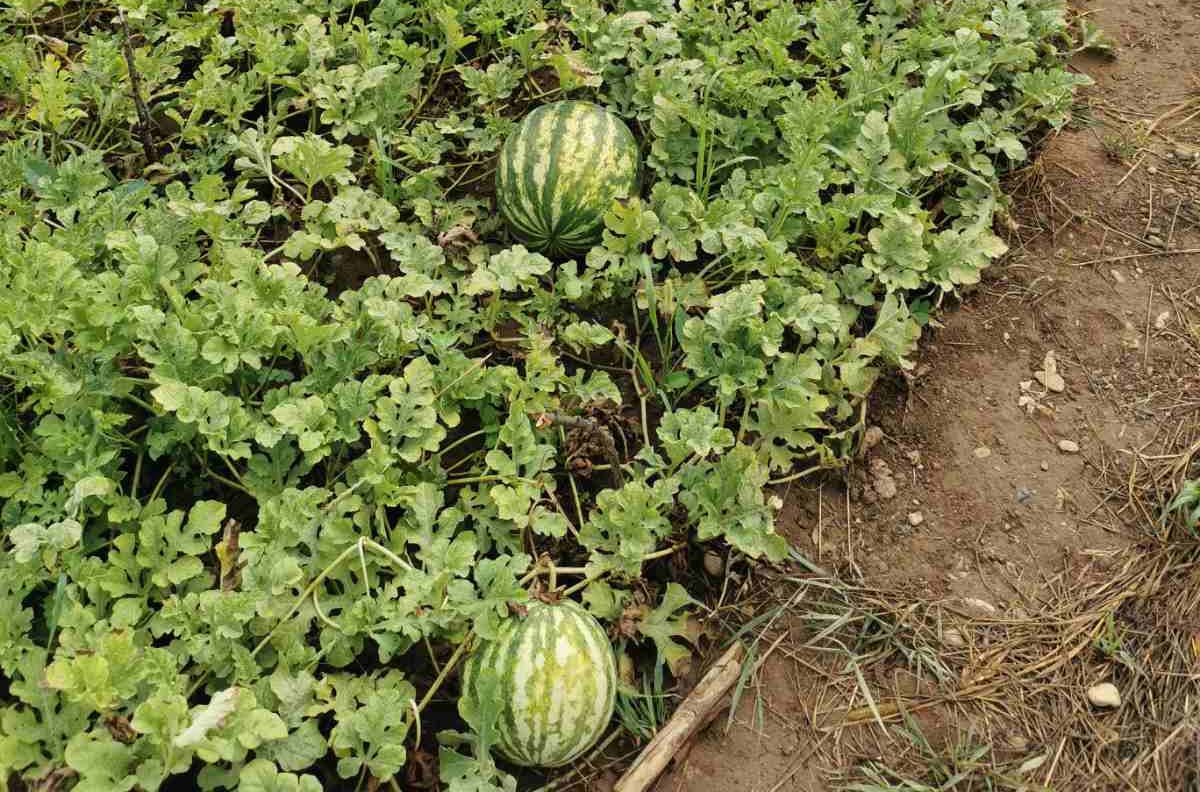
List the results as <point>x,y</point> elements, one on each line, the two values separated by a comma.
<point>993,527</point>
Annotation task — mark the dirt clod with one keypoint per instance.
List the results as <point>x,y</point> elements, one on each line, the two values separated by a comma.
<point>1068,446</point>
<point>882,483</point>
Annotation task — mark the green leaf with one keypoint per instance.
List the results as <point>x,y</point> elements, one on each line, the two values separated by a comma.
<point>726,499</point>
<point>463,774</point>
<point>628,226</point>
<point>603,601</point>
<point>664,624</point>
<point>300,749</point>
<point>370,734</point>
<point>496,587</point>
<point>628,523</point>
<point>31,540</point>
<point>510,270</point>
<point>585,335</point>
<point>899,258</point>
<point>101,762</point>
<point>313,160</point>
<point>693,432</point>
<point>261,775</point>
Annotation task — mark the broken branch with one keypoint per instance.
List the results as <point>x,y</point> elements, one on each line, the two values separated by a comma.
<point>687,720</point>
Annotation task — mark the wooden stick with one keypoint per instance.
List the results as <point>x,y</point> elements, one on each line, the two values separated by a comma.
<point>686,721</point>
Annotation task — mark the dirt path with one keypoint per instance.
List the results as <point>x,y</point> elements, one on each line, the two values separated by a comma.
<point>1003,483</point>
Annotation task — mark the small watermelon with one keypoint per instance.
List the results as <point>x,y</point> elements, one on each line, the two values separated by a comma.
<point>560,171</point>
<point>552,680</point>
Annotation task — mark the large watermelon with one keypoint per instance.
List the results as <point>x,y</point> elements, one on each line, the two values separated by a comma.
<point>552,680</point>
<point>559,172</point>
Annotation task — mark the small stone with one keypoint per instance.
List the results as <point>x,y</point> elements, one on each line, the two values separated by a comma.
<point>1117,275</point>
<point>1104,695</point>
<point>1052,380</point>
<point>1160,321</point>
<point>1155,240</point>
<point>883,484</point>
<point>1152,170</point>
<point>1024,495</point>
<point>1068,446</point>
<point>885,488</point>
<point>977,607</point>
<point>983,452</point>
<point>915,518</point>
<point>714,565</point>
<point>872,437</point>
<point>1045,465</point>
<point>1048,375</point>
<point>953,638</point>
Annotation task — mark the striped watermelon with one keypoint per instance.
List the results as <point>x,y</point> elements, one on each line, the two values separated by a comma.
<point>559,172</point>
<point>553,680</point>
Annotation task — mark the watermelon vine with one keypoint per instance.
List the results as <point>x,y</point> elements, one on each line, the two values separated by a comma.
<point>291,418</point>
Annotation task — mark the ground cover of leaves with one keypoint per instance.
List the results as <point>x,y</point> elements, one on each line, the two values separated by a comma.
<point>286,422</point>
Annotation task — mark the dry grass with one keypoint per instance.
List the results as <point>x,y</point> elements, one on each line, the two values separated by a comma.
<point>1006,705</point>
<point>903,693</point>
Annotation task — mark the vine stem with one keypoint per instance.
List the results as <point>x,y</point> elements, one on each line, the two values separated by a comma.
<point>304,595</point>
<point>459,652</point>
<point>799,475</point>
<point>648,557</point>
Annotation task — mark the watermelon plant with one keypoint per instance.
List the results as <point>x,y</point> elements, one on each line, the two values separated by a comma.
<point>331,328</point>
<point>560,171</point>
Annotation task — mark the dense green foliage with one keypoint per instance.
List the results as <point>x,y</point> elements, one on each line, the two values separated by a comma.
<point>285,418</point>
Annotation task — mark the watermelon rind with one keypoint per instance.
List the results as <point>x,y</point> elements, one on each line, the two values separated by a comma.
<point>551,678</point>
<point>559,172</point>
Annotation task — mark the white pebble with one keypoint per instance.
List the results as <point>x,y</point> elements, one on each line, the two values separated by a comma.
<point>977,607</point>
<point>1104,695</point>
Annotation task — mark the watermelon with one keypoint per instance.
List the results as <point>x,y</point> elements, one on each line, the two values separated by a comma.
<point>551,679</point>
<point>560,171</point>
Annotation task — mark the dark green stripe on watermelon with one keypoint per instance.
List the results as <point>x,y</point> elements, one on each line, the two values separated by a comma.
<point>515,213</point>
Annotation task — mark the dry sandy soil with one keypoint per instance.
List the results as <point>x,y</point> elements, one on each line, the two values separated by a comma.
<point>1010,571</point>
